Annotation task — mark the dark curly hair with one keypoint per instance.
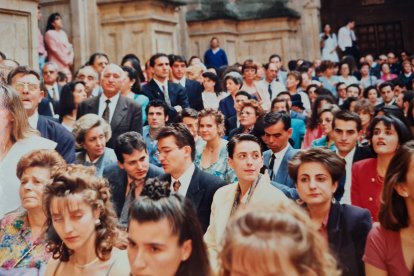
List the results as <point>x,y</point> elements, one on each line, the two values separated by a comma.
<point>157,203</point>
<point>77,179</point>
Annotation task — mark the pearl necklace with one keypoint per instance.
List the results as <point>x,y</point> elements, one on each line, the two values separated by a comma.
<point>85,265</point>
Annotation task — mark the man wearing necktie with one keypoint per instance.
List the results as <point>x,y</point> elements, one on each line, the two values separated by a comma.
<point>122,113</point>
<point>176,152</point>
<point>49,106</point>
<point>277,131</point>
<point>128,176</point>
<point>274,87</point>
<point>347,40</point>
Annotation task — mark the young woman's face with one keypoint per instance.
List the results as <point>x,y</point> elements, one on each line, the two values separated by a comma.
<point>327,28</point>
<point>208,84</point>
<point>208,128</point>
<point>344,69</point>
<point>365,117</point>
<point>74,221</point>
<point>314,184</point>
<point>325,120</point>
<point>33,182</point>
<point>372,96</point>
<point>127,84</point>
<point>232,87</point>
<point>154,250</point>
<point>79,94</point>
<point>249,74</point>
<point>385,139</point>
<point>385,68</point>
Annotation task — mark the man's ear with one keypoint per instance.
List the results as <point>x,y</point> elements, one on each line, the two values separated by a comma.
<point>230,162</point>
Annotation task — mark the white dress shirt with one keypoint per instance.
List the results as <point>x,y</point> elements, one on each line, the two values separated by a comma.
<point>112,105</point>
<point>182,81</point>
<point>346,198</point>
<point>278,160</point>
<point>345,37</point>
<point>184,179</point>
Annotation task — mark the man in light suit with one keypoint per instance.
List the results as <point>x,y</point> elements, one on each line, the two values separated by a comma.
<point>122,113</point>
<point>252,188</point>
<point>27,83</point>
<point>277,132</point>
<point>133,167</point>
<point>176,149</point>
<point>192,88</point>
<point>160,88</point>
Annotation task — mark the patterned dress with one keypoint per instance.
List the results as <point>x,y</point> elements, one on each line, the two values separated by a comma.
<point>16,248</point>
<point>220,168</point>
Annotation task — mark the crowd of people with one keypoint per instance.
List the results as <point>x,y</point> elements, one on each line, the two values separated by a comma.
<point>176,167</point>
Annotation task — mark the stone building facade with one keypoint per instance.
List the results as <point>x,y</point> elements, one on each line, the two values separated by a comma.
<point>245,28</point>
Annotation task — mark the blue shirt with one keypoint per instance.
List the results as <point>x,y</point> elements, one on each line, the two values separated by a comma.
<point>151,146</point>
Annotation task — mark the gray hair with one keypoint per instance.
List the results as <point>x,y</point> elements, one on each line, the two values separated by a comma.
<point>86,123</point>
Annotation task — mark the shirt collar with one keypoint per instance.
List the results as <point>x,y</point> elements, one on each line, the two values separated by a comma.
<point>349,156</point>
<point>160,84</point>
<point>185,178</point>
<point>280,154</point>
<point>114,99</point>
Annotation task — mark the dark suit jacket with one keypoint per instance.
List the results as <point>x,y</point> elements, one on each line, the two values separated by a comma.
<point>230,124</point>
<point>44,106</point>
<point>56,132</point>
<point>348,228</point>
<point>361,153</point>
<point>118,181</point>
<point>176,92</point>
<point>226,106</point>
<point>127,116</point>
<point>201,191</point>
<point>194,91</point>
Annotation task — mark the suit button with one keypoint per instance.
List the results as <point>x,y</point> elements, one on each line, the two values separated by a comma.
<point>372,179</point>
<point>370,199</point>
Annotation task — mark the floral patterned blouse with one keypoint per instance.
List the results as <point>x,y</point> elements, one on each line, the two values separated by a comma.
<point>16,249</point>
<point>220,168</point>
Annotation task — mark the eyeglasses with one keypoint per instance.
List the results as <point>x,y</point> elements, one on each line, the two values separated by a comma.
<point>20,86</point>
<point>165,152</point>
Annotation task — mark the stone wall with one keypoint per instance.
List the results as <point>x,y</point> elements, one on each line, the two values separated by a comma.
<point>18,31</point>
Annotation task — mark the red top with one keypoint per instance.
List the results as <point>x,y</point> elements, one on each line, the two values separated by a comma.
<point>383,250</point>
<point>366,186</point>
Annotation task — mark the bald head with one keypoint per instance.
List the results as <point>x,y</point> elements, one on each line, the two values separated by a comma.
<point>112,78</point>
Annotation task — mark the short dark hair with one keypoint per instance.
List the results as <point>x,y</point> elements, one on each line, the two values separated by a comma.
<point>153,58</point>
<point>244,93</point>
<point>385,84</point>
<point>177,58</point>
<point>94,56</point>
<point>157,203</point>
<point>24,70</point>
<point>356,86</point>
<point>284,93</point>
<point>275,56</point>
<point>182,135</point>
<point>128,142</point>
<point>188,112</point>
<point>273,118</point>
<point>346,115</point>
<point>231,145</point>
<point>369,88</point>
<point>338,84</point>
<point>279,100</point>
<point>157,103</point>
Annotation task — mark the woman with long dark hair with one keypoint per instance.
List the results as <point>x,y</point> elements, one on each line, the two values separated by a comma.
<point>71,96</point>
<point>212,93</point>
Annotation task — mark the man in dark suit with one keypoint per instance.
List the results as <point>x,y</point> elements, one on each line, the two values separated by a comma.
<point>49,106</point>
<point>277,132</point>
<point>386,90</point>
<point>346,126</point>
<point>122,113</point>
<point>176,149</point>
<point>192,88</point>
<point>160,88</point>
<point>128,177</point>
<point>27,83</point>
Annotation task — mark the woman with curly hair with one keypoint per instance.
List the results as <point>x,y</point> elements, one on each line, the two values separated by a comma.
<point>250,112</point>
<point>285,242</point>
<point>164,234</point>
<point>81,222</point>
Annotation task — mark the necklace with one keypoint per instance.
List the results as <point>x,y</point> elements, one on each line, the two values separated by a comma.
<point>85,265</point>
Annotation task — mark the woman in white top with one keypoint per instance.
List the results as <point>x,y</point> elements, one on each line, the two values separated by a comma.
<point>329,43</point>
<point>344,74</point>
<point>16,139</point>
<point>212,94</point>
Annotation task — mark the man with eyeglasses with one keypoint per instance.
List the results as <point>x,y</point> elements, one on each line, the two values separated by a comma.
<point>27,83</point>
<point>252,188</point>
<point>176,152</point>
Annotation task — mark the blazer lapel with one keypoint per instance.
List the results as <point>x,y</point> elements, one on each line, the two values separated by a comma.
<point>194,192</point>
<point>93,105</point>
<point>334,231</point>
<point>121,110</point>
<point>282,172</point>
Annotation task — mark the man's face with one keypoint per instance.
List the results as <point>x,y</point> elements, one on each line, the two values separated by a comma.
<point>112,80</point>
<point>276,137</point>
<point>247,161</point>
<point>100,63</point>
<point>214,43</point>
<point>352,92</point>
<point>286,98</point>
<point>178,70</point>
<point>345,136</point>
<point>136,164</point>
<point>271,72</point>
<point>342,91</point>
<point>89,77</point>
<point>399,100</point>
<point>50,74</point>
<point>28,87</point>
<point>398,90</point>
<point>387,94</point>
<point>279,106</point>
<point>172,157</point>
<point>291,82</point>
<point>277,62</point>
<point>240,99</point>
<point>192,125</point>
<point>391,58</point>
<point>161,68</point>
<point>156,117</point>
